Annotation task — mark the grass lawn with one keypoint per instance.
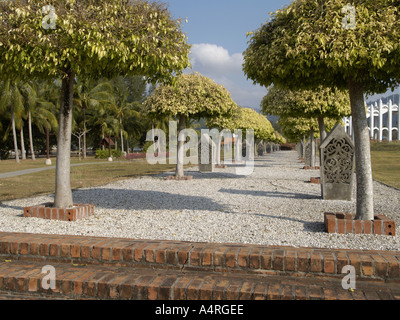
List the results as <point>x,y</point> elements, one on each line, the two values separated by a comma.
<point>11,165</point>
<point>81,176</point>
<point>386,162</point>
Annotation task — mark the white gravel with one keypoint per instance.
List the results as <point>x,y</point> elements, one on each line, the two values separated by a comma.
<point>276,205</point>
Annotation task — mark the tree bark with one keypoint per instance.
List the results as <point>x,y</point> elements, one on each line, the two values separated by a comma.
<point>47,143</point>
<point>84,134</point>
<point>122,136</point>
<point>312,160</point>
<point>63,194</point>
<point>365,200</point>
<point>14,135</point>
<point>109,145</point>
<point>322,129</point>
<point>30,136</point>
<point>180,154</point>
<point>23,153</point>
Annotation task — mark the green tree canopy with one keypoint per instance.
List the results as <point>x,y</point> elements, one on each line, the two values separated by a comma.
<point>311,43</point>
<point>92,38</point>
<point>89,39</point>
<point>306,44</point>
<point>323,102</point>
<point>192,97</point>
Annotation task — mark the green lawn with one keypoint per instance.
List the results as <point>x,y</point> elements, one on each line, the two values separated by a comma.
<point>386,162</point>
<point>10,165</point>
<point>81,176</point>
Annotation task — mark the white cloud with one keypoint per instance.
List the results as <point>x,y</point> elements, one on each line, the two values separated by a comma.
<point>224,68</point>
<point>213,58</point>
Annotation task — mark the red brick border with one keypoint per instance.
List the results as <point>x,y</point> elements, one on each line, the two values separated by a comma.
<point>221,166</point>
<point>343,223</point>
<point>315,180</point>
<point>177,270</point>
<point>208,257</point>
<point>311,168</point>
<point>47,211</point>
<point>179,178</point>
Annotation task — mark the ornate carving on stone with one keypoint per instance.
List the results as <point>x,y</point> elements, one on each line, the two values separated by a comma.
<point>338,157</point>
<point>337,165</point>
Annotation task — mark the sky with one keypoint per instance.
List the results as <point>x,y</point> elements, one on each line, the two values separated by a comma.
<point>217,29</point>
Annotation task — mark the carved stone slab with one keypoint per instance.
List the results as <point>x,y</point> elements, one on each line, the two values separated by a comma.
<point>337,165</point>
<point>207,153</point>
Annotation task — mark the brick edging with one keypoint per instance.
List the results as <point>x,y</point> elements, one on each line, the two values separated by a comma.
<point>47,211</point>
<point>343,223</point>
<point>216,257</point>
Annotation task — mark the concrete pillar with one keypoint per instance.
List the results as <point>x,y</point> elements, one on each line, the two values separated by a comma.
<point>380,128</point>
<point>390,120</point>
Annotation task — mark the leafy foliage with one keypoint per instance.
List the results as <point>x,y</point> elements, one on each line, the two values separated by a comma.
<point>93,38</point>
<point>245,118</point>
<point>325,102</point>
<point>305,44</point>
<point>193,95</point>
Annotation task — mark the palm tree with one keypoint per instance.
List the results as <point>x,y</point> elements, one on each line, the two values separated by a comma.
<point>91,94</point>
<point>41,100</point>
<point>11,98</point>
<point>129,92</point>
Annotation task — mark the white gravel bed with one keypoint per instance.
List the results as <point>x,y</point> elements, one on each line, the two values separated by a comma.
<point>276,205</point>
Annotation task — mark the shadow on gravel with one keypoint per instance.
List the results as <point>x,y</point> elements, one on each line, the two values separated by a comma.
<point>271,194</point>
<point>120,199</point>
<point>210,175</point>
<point>309,226</point>
<point>6,206</point>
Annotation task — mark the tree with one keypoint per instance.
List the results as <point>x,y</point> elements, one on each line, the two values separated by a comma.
<point>193,96</point>
<point>308,44</point>
<point>243,119</point>
<point>320,103</point>
<point>90,94</point>
<point>40,101</point>
<point>127,92</point>
<point>12,99</point>
<point>73,39</point>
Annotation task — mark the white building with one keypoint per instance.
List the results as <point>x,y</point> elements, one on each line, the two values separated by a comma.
<point>383,121</point>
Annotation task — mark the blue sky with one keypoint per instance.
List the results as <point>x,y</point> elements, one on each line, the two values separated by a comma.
<point>217,31</point>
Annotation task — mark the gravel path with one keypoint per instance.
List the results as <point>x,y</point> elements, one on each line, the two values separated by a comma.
<point>276,205</point>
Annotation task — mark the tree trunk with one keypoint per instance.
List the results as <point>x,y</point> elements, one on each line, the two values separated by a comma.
<point>365,200</point>
<point>109,145</point>
<point>30,136</point>
<point>14,135</point>
<point>47,143</point>
<point>102,133</point>
<point>122,137</point>
<point>180,154</point>
<point>23,153</point>
<point>312,162</point>
<point>322,129</point>
<point>84,134</point>
<point>63,194</point>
